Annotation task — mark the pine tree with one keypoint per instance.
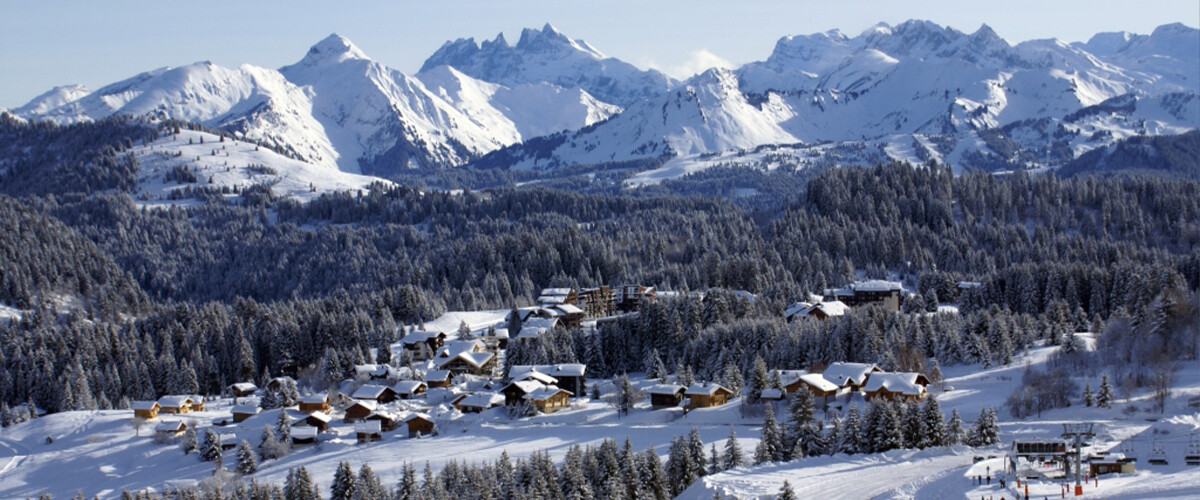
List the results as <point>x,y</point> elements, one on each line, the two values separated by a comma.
<point>210,450</point>
<point>985,431</point>
<point>369,485</point>
<point>759,380</point>
<point>1105,398</point>
<point>1088,398</point>
<point>800,417</point>
<point>679,466</point>
<point>696,448</point>
<point>188,444</point>
<point>889,433</point>
<point>247,459</point>
<point>344,483</point>
<point>935,424</point>
<point>785,492</point>
<point>955,433</point>
<point>733,452</point>
<point>654,476</point>
<point>715,464</point>
<point>283,426</point>
<point>300,486</point>
<point>913,425</point>
<point>770,447</point>
<point>269,445</point>
<point>731,378</point>
<point>407,488</point>
<point>851,431</point>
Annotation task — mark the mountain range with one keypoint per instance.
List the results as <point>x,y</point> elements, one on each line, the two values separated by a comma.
<point>916,91</point>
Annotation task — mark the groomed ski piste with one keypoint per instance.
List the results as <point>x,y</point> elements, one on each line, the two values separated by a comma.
<point>101,453</point>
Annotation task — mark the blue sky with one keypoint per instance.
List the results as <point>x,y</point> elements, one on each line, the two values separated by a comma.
<point>45,43</point>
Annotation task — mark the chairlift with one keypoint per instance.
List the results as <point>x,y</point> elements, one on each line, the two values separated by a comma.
<point>1158,456</point>
<point>1193,453</point>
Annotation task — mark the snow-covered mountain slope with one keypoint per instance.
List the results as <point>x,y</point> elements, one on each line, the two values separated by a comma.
<point>338,109</point>
<point>916,90</point>
<point>167,167</point>
<point>549,56</point>
<point>1168,56</point>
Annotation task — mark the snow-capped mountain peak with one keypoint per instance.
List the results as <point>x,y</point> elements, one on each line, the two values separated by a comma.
<point>551,40</point>
<point>333,49</point>
<point>53,98</point>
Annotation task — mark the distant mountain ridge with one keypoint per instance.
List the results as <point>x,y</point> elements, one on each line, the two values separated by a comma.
<point>916,91</point>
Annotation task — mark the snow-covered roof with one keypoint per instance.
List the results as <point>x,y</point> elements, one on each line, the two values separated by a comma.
<point>876,286</point>
<point>174,401</point>
<point>772,393</point>
<point>532,375</point>
<point>969,284</point>
<point>436,375</point>
<point>315,399</point>
<point>668,389</point>
<point>170,426</point>
<point>842,373</point>
<point>246,409</point>
<point>526,386</point>
<point>819,381</point>
<point>543,323</point>
<point>321,416</point>
<point>555,291</point>
<point>368,427</point>
<point>454,347</point>
<point>408,386</point>
<point>530,332</point>
<point>383,415</point>
<point>830,308</point>
<point>372,370</point>
<point>304,432</point>
<point>795,308</point>
<point>569,309</point>
<point>416,416</point>
<point>244,387</point>
<point>789,377</point>
<point>476,359</point>
<point>227,437</point>
<point>197,399</point>
<point>416,336</point>
<point>546,392</point>
<point>906,383</point>
<point>704,389</point>
<point>369,391</point>
<point>369,404</point>
<point>482,400</point>
<point>144,405</point>
<point>558,370</point>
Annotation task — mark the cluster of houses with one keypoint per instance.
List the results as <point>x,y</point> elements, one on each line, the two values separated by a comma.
<point>842,383</point>
<point>836,301</point>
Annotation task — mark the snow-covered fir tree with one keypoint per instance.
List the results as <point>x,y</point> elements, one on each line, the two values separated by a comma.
<point>733,451</point>
<point>247,459</point>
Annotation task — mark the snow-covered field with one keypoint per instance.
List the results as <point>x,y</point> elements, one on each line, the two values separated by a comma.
<point>232,163</point>
<point>105,454</point>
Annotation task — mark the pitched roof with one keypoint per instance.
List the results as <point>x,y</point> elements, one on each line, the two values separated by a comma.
<point>369,404</point>
<point>244,386</point>
<point>144,405</point>
<point>170,426</point>
<point>416,416</point>
<point>772,393</point>
<point>383,415</point>
<point>455,347</point>
<point>545,392</point>
<point>476,359</point>
<point>705,389</point>
<point>668,389</point>
<point>526,386</point>
<point>304,432</point>
<point>369,391</point>
<point>829,308</point>
<point>419,336</point>
<point>907,383</point>
<point>368,427</point>
<point>844,373</point>
<point>818,381</point>
<point>246,409</point>
<point>544,323</point>
<point>532,375</point>
<point>314,399</point>
<point>320,416</point>
<point>557,370</point>
<point>437,375</point>
<point>174,401</point>
<point>408,386</point>
<point>789,377</point>
<point>569,309</point>
<point>482,400</point>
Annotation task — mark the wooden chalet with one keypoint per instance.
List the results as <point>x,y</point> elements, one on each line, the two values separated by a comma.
<point>896,386</point>
<point>478,402</point>
<point>368,431</point>
<point>546,398</point>
<point>422,345</point>
<point>371,392</point>
<point>146,409</point>
<point>707,395</point>
<point>823,391</point>
<point>666,396</point>
<point>319,420</point>
<point>850,377</point>
<point>315,402</point>
<point>228,440</point>
<point>819,310</point>
<point>438,378</point>
<point>887,294</point>
<point>360,410</point>
<point>1113,463</point>
<point>170,428</point>
<point>569,376</point>
<point>387,421</point>
<point>242,389</point>
<point>420,424</point>
<point>303,434</point>
<point>556,296</point>
<point>772,394</point>
<point>197,402</point>
<point>473,363</point>
<point>244,411</point>
<point>408,389</point>
<point>375,372</point>
<point>175,404</point>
